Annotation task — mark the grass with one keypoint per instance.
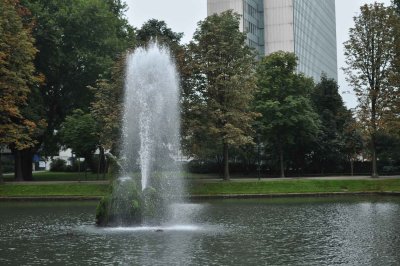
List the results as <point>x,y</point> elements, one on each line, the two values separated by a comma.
<point>196,187</point>
<point>48,190</point>
<point>61,176</point>
<point>295,186</point>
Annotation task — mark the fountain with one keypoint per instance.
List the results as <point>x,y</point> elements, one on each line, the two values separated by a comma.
<point>150,178</point>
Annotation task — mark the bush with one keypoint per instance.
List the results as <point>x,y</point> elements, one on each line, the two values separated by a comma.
<point>203,167</point>
<point>123,207</point>
<point>127,205</point>
<point>58,165</point>
<point>7,161</point>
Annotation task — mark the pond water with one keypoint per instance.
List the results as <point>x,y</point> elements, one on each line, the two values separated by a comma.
<point>297,231</point>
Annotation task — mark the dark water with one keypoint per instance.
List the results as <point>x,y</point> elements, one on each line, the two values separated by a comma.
<point>319,231</point>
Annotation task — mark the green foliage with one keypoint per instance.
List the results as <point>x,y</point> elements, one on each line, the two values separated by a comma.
<point>330,146</point>
<point>127,205</point>
<point>388,148</point>
<point>288,118</point>
<point>58,165</point>
<point>106,110</point>
<point>102,213</point>
<point>20,121</point>
<point>78,41</point>
<point>151,205</point>
<point>222,85</point>
<point>17,75</point>
<point>156,30</point>
<point>78,133</point>
<point>122,207</point>
<point>370,52</point>
<point>393,121</point>
<point>396,4</point>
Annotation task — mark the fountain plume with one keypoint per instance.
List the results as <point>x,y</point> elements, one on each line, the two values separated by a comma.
<point>150,140</point>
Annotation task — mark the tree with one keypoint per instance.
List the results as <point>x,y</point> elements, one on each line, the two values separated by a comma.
<point>157,30</point>
<point>78,132</point>
<point>353,141</point>
<point>369,54</point>
<point>224,84</point>
<point>394,112</point>
<point>284,102</point>
<point>17,76</point>
<point>329,149</point>
<point>396,4</point>
<point>78,42</point>
<point>106,110</point>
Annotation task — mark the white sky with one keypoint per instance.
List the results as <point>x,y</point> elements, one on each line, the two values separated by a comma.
<point>183,16</point>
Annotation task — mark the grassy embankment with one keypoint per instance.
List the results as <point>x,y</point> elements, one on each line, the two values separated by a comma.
<point>53,190</point>
<point>61,185</point>
<point>206,188</point>
<point>61,176</point>
<point>295,186</point>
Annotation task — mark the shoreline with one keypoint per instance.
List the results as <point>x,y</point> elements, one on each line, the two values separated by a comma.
<point>211,197</point>
<point>50,198</point>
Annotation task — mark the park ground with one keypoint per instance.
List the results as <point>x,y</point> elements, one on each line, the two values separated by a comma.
<point>91,186</point>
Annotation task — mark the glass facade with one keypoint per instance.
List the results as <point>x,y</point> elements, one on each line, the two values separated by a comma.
<point>253,24</point>
<point>315,37</point>
<point>305,27</point>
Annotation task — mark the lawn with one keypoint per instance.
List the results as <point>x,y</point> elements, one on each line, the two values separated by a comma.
<point>208,188</point>
<point>294,186</point>
<point>61,176</point>
<point>48,190</point>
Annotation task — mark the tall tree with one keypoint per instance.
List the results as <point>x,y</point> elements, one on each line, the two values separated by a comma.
<point>223,75</point>
<point>394,120</point>
<point>284,102</point>
<point>329,149</point>
<point>369,54</point>
<point>106,109</point>
<point>17,76</point>
<point>78,41</point>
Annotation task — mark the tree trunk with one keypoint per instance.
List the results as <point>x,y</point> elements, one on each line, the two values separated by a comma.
<point>1,170</point>
<point>26,164</point>
<point>18,166</point>
<point>374,159</point>
<point>98,168</point>
<point>102,162</point>
<point>373,136</point>
<point>374,164</point>
<point>226,163</point>
<point>352,167</point>
<point>282,168</point>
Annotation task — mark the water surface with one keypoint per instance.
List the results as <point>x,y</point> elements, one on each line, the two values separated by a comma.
<point>300,231</point>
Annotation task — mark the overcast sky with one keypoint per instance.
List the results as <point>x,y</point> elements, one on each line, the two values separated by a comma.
<point>183,15</point>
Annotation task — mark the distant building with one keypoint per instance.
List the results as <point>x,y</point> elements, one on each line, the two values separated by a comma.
<point>304,27</point>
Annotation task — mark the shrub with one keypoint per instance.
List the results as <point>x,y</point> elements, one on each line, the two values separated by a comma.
<point>58,165</point>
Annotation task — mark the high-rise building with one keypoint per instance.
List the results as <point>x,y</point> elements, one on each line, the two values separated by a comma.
<point>305,27</point>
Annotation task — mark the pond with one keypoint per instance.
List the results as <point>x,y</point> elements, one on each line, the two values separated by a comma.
<point>295,231</point>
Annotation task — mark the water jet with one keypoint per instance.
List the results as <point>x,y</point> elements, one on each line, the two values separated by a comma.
<point>150,177</point>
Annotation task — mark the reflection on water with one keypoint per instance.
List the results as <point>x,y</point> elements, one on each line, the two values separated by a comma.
<point>311,231</point>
